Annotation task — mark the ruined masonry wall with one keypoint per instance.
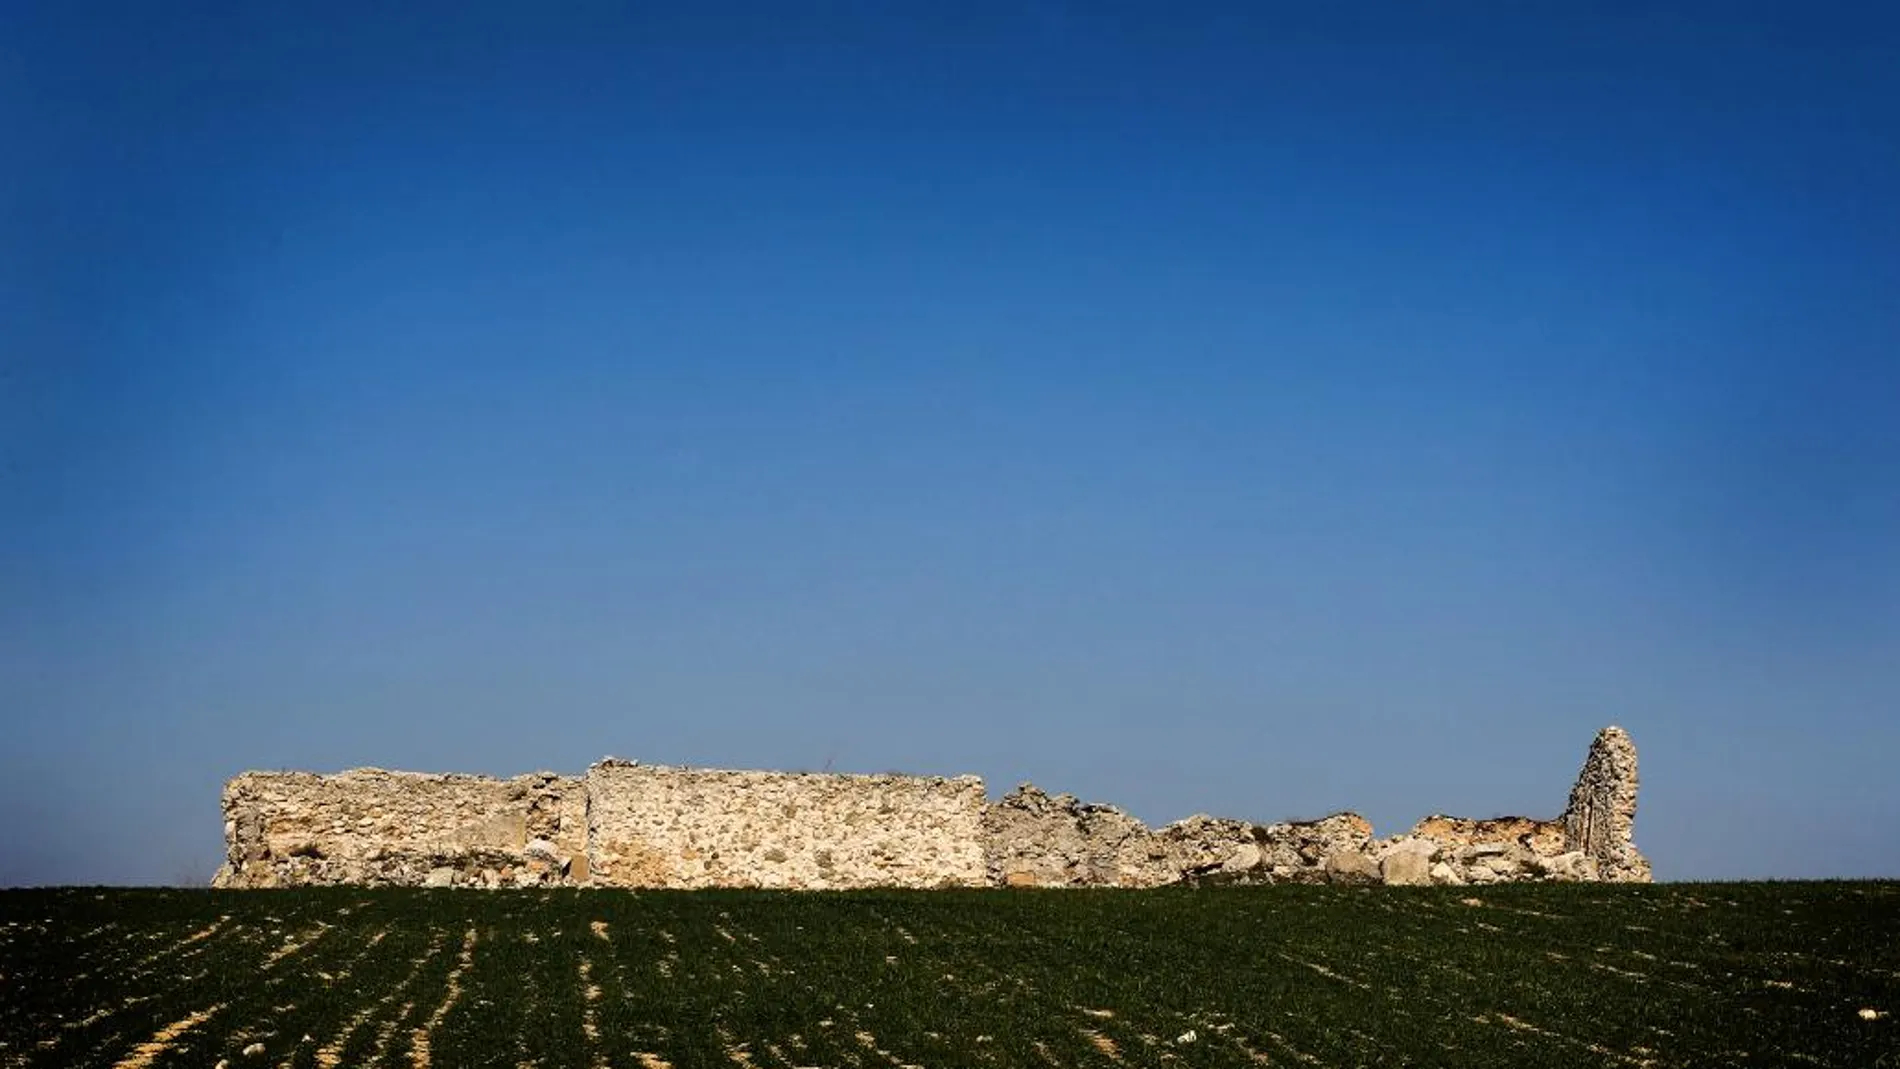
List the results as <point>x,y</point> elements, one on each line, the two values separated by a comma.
<point>632,825</point>
<point>1033,839</point>
<point>372,826</point>
<point>1601,816</point>
<point>661,826</point>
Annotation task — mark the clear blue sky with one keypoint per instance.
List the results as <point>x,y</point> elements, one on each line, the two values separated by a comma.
<point>1260,409</point>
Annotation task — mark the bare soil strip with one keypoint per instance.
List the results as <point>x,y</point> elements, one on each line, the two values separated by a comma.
<point>149,1051</point>
<point>1326,972</point>
<point>1102,1043</point>
<point>1525,1026</point>
<point>295,943</point>
<point>737,1053</point>
<point>419,1038</point>
<point>590,1027</point>
<point>166,959</point>
<point>387,1032</point>
<point>168,955</point>
<point>330,1055</point>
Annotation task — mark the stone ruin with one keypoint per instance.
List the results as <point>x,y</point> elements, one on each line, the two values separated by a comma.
<point>626,824</point>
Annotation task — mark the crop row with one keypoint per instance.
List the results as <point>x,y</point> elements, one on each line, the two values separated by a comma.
<point>1545,975</point>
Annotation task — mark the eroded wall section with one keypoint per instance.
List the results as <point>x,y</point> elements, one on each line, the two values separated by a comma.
<point>1038,840</point>
<point>1601,818</point>
<point>633,825</point>
<point>374,827</point>
<point>664,826</point>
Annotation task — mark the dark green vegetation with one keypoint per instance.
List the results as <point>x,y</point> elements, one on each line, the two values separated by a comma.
<point>1571,975</point>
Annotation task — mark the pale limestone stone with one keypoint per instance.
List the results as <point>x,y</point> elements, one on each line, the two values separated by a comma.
<point>1499,864</point>
<point>626,824</point>
<point>1351,866</point>
<point>1406,868</point>
<point>659,826</point>
<point>1574,865</point>
<point>1493,835</point>
<point>1032,838</point>
<point>1245,857</point>
<point>1601,816</point>
<point>370,826</point>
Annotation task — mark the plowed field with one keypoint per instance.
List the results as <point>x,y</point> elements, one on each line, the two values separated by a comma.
<point>1669,975</point>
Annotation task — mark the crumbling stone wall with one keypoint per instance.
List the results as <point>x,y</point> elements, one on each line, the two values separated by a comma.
<point>1036,839</point>
<point>1040,840</point>
<point>632,825</point>
<point>371,826</point>
<point>1602,811</point>
<point>1333,849</point>
<point>1545,837</point>
<point>661,826</point>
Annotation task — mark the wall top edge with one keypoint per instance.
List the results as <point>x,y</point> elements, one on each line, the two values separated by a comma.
<point>372,772</point>
<point>607,764</point>
<point>618,763</point>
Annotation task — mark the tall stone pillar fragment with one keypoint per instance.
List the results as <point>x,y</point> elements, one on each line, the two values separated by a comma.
<point>1602,812</point>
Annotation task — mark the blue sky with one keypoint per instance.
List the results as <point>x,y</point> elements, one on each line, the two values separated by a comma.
<point>1261,409</point>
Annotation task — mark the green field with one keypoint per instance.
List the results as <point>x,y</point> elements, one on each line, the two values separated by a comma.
<point>1571,975</point>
